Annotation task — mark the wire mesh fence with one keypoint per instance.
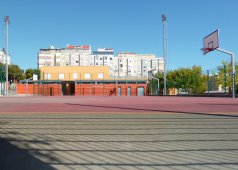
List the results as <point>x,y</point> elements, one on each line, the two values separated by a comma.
<point>2,80</point>
<point>187,82</point>
<point>211,82</point>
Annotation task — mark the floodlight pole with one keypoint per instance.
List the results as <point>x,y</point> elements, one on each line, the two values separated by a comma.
<point>6,20</point>
<point>164,50</point>
<point>233,68</point>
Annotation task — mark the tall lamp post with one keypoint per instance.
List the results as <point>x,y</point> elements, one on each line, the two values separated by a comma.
<point>6,20</point>
<point>165,50</point>
<point>152,77</point>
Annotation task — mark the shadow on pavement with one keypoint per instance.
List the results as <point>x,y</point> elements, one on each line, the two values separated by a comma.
<point>151,110</point>
<point>14,158</point>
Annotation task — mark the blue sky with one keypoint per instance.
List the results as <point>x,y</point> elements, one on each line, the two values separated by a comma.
<point>125,25</point>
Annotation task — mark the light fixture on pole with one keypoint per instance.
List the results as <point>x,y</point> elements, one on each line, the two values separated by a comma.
<point>165,50</point>
<point>6,20</point>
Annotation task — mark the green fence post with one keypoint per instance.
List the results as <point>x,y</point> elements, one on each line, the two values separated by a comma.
<point>225,77</point>
<point>208,86</point>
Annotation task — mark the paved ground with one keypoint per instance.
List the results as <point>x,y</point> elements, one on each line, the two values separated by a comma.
<point>118,141</point>
<point>132,104</point>
<point>47,133</point>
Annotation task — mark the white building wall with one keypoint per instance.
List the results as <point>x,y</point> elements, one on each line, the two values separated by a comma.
<point>49,57</point>
<point>69,56</point>
<point>137,65</point>
<point>125,65</point>
<point>103,57</point>
<point>3,57</point>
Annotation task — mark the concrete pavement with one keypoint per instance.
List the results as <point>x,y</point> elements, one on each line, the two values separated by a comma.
<point>118,141</point>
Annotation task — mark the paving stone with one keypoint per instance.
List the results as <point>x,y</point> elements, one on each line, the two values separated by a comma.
<point>104,142</point>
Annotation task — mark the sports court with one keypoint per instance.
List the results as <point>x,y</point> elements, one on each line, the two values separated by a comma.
<point>118,133</point>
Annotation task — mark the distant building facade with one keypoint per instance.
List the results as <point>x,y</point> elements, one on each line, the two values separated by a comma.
<point>3,57</point>
<point>137,65</point>
<point>104,57</point>
<point>81,81</point>
<point>124,65</point>
<point>69,56</point>
<point>72,73</point>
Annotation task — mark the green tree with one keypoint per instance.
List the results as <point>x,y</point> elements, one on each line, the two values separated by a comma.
<point>15,73</point>
<point>224,76</point>
<point>190,80</point>
<point>37,72</point>
<point>2,73</point>
<point>30,71</point>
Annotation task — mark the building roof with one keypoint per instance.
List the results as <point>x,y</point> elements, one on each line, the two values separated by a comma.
<point>70,46</point>
<point>86,47</point>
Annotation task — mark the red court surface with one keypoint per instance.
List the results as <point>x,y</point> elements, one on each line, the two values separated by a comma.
<point>92,104</point>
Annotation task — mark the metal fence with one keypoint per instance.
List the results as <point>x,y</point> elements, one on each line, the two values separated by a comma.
<point>2,80</point>
<point>212,82</point>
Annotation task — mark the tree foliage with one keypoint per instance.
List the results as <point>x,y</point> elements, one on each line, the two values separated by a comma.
<point>190,80</point>
<point>29,73</point>
<point>2,72</point>
<point>15,72</point>
<point>224,76</point>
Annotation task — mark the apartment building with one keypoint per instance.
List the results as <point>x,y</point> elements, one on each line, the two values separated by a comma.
<point>104,57</point>
<point>77,55</point>
<point>3,57</point>
<point>124,65</point>
<point>137,65</point>
<point>69,56</point>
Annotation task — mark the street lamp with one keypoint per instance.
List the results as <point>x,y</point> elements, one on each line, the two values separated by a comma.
<point>6,20</point>
<point>164,49</point>
<point>153,77</point>
<point>158,83</point>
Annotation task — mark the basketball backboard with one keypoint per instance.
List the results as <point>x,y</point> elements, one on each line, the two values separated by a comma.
<point>211,42</point>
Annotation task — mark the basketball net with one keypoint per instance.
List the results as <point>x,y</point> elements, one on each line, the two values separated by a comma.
<point>206,50</point>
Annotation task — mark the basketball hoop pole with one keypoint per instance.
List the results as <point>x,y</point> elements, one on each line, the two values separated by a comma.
<point>233,68</point>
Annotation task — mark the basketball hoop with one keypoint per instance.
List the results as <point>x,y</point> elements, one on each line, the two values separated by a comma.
<point>206,50</point>
<point>210,42</point>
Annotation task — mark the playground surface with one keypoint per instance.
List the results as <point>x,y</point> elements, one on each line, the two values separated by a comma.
<point>105,133</point>
<point>93,104</point>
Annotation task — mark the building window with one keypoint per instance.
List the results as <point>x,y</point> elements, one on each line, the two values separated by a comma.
<point>61,76</point>
<point>121,65</point>
<point>100,75</point>
<point>87,75</point>
<point>47,76</point>
<point>75,76</point>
